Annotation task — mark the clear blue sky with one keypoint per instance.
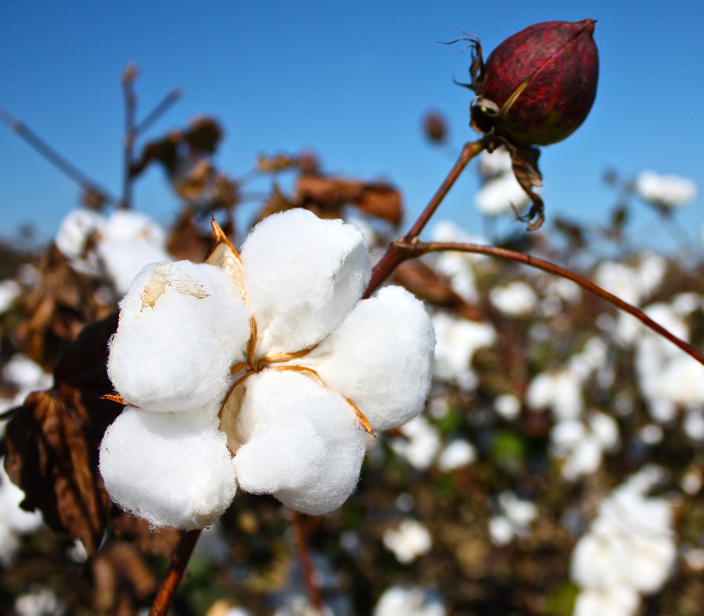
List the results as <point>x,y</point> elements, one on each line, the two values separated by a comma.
<point>350,80</point>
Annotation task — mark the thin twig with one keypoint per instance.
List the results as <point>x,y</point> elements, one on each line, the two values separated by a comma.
<point>128,78</point>
<point>41,146</point>
<point>179,559</point>
<point>157,112</point>
<point>393,255</point>
<point>416,249</point>
<point>300,537</point>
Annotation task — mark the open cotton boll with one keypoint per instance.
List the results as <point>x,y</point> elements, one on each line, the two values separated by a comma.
<point>74,231</point>
<point>17,519</point>
<point>515,299</point>
<point>181,328</point>
<point>495,163</point>
<point>172,469</point>
<point>381,357</point>
<point>131,226</point>
<point>667,190</point>
<point>10,290</point>
<point>302,442</point>
<point>616,601</point>
<point>498,194</point>
<point>409,601</point>
<point>124,260</point>
<point>409,541</point>
<point>304,276</point>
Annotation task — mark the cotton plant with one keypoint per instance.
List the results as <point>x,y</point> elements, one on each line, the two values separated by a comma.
<point>116,247</point>
<point>629,550</point>
<point>263,371</point>
<point>409,541</point>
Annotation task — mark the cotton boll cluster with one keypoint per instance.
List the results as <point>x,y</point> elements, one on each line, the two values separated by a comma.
<point>409,601</point>
<point>14,521</point>
<point>457,340</point>
<point>116,247</point>
<point>500,190</point>
<point>668,191</point>
<point>421,444</point>
<point>409,541</point>
<point>515,299</point>
<point>582,444</point>
<point>629,551</point>
<point>514,520</point>
<point>272,357</point>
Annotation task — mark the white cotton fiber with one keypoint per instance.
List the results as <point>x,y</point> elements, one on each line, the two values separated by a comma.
<point>131,226</point>
<point>302,442</point>
<point>176,354</point>
<point>172,469</point>
<point>381,357</point>
<point>124,260</point>
<point>74,231</point>
<point>304,275</point>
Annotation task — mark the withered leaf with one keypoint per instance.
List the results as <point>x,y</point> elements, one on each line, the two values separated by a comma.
<point>155,542</point>
<point>524,160</point>
<point>52,441</point>
<point>186,241</point>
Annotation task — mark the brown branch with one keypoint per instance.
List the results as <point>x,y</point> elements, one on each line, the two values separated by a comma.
<point>416,249</point>
<point>179,559</point>
<point>50,154</point>
<point>394,256</point>
<point>128,78</point>
<point>300,537</point>
<point>157,112</point>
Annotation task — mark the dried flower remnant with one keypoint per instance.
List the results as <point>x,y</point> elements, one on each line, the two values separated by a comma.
<point>269,352</point>
<point>536,88</point>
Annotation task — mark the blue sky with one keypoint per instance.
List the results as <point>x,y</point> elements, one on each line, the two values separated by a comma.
<point>350,80</point>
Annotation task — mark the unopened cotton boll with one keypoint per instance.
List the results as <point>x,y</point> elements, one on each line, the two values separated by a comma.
<point>301,442</point>
<point>669,191</point>
<point>172,469</point>
<point>381,357</point>
<point>181,328</point>
<point>304,276</point>
<point>409,541</point>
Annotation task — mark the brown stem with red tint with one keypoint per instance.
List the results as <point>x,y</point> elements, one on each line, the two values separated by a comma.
<point>300,537</point>
<point>394,256</point>
<point>410,250</point>
<point>179,560</point>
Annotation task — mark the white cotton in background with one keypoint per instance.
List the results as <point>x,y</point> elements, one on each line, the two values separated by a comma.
<point>172,469</point>
<point>40,601</point>
<point>498,194</point>
<point>304,276</point>
<point>693,425</point>
<point>19,520</point>
<point>619,601</point>
<point>565,290</point>
<point>409,541</point>
<point>618,279</point>
<point>421,445</point>
<point>176,355</point>
<point>409,601</point>
<point>26,375</point>
<point>10,290</point>
<point>457,340</point>
<point>380,357</point>
<point>669,190</point>
<point>301,442</point>
<point>514,518</point>
<point>514,299</point>
<point>74,232</point>
<point>131,226</point>
<point>501,530</point>
<point>507,406</point>
<point>456,454</point>
<point>560,391</point>
<point>590,359</point>
<point>496,163</point>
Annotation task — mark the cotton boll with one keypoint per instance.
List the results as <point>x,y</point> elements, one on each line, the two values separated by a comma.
<point>559,391</point>
<point>182,326</point>
<point>10,290</point>
<point>304,276</point>
<point>381,357</point>
<point>669,191</point>
<point>172,469</point>
<point>131,226</point>
<point>457,454</point>
<point>421,445</point>
<point>605,428</point>
<point>508,406</point>
<point>301,442</point>
<point>124,260</point>
<point>410,541</point>
<point>617,601</point>
<point>498,194</point>
<point>515,299</point>
<point>408,601</point>
<point>72,237</point>
<point>501,530</point>
<point>16,518</point>
<point>26,375</point>
<point>39,601</point>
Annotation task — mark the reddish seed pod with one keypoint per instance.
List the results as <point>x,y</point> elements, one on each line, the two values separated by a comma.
<point>538,86</point>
